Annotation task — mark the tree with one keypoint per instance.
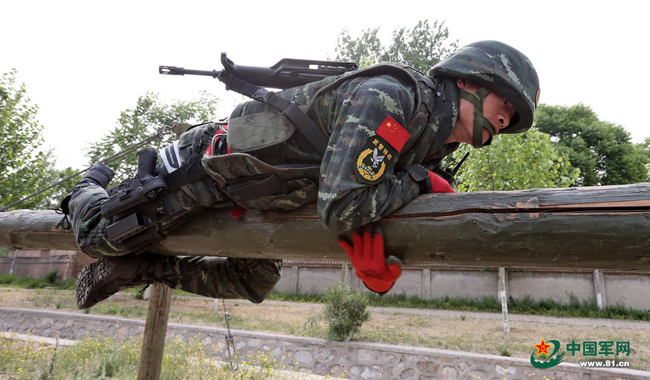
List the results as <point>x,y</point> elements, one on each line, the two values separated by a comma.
<point>601,150</point>
<point>27,166</point>
<point>145,120</point>
<point>421,47</point>
<point>645,148</point>
<point>515,162</point>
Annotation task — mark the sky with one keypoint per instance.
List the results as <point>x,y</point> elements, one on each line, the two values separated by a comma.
<point>83,62</point>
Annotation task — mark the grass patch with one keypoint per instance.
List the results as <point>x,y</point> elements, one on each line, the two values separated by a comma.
<point>51,280</point>
<point>109,358</point>
<point>527,305</point>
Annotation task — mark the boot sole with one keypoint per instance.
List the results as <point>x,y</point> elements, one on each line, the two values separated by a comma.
<point>94,283</point>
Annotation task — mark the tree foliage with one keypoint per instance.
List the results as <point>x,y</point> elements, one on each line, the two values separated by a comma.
<point>420,47</point>
<point>147,118</point>
<point>515,162</point>
<point>602,151</point>
<point>27,166</point>
<point>645,148</point>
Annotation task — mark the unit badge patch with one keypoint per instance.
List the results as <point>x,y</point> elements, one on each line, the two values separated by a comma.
<point>374,159</point>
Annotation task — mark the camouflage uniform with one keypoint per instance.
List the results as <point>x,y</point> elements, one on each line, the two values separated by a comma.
<point>387,126</point>
<point>349,110</point>
<point>215,277</point>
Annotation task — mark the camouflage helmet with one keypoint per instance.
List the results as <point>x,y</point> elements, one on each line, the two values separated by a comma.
<point>501,68</point>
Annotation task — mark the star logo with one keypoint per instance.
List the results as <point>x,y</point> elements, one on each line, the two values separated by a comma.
<point>542,347</point>
<point>552,359</point>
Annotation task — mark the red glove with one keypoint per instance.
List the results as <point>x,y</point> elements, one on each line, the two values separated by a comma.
<point>439,184</point>
<point>376,271</point>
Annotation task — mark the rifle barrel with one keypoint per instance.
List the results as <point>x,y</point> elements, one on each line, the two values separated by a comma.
<point>174,70</point>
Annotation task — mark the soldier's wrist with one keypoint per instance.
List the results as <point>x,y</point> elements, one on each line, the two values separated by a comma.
<point>421,176</point>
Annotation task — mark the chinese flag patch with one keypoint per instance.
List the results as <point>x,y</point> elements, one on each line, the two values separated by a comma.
<point>393,133</point>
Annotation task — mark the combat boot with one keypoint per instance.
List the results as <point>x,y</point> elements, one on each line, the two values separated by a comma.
<point>108,275</point>
<point>99,174</point>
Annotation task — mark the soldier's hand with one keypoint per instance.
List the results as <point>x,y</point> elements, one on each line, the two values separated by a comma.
<point>439,184</point>
<point>366,253</point>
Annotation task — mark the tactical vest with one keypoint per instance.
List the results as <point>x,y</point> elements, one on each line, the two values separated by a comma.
<point>255,128</point>
<point>245,175</point>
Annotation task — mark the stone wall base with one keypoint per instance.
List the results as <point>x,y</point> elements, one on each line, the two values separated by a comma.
<point>353,360</point>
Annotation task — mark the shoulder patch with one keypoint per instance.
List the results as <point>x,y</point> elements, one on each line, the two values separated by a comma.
<point>373,160</point>
<point>393,133</point>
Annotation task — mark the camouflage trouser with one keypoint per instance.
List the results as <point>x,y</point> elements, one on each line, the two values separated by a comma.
<point>215,277</point>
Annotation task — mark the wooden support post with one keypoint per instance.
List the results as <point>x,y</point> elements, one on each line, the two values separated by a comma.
<point>426,284</point>
<point>599,288</point>
<point>503,297</point>
<point>295,272</point>
<point>11,270</point>
<point>345,275</point>
<point>155,330</point>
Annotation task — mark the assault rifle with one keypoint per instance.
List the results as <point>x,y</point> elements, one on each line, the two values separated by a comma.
<point>284,74</point>
<point>252,82</point>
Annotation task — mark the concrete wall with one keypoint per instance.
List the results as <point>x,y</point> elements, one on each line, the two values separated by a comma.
<point>353,360</point>
<point>558,286</point>
<point>37,263</point>
<point>468,284</point>
<point>631,289</point>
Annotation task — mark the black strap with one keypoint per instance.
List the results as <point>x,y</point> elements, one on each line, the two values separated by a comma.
<point>304,124</point>
<point>187,173</point>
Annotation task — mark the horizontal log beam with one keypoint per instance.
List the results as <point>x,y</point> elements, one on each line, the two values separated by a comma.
<point>590,227</point>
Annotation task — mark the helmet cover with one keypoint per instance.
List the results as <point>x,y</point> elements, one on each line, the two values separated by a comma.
<point>501,68</point>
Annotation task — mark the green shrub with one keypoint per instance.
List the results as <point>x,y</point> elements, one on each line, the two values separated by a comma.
<point>345,311</point>
<point>52,277</point>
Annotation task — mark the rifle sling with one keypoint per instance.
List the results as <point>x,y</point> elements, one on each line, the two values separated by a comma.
<point>302,122</point>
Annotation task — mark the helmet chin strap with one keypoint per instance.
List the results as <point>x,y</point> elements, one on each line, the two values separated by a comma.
<point>480,122</point>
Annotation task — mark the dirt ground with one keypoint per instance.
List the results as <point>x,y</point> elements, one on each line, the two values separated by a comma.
<point>454,330</point>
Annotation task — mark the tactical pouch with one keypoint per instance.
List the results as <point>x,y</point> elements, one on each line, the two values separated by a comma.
<point>245,189</point>
<point>254,125</point>
<point>256,185</point>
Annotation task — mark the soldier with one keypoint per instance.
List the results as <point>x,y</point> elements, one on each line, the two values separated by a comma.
<point>388,127</point>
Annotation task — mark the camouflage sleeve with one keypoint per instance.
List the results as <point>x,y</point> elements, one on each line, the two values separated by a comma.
<point>360,181</point>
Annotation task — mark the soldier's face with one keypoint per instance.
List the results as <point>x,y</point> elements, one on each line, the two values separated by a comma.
<point>496,109</point>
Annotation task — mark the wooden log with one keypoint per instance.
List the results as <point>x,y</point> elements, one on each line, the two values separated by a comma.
<point>155,329</point>
<point>590,227</point>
